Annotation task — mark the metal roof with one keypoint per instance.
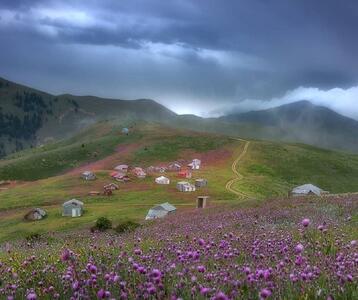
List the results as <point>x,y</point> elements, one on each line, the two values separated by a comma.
<point>87,173</point>
<point>156,213</point>
<point>160,211</point>
<point>183,182</point>
<point>167,206</point>
<point>75,201</point>
<point>306,189</point>
<point>162,178</point>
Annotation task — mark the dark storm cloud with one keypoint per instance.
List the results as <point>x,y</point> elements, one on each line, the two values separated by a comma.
<point>182,53</point>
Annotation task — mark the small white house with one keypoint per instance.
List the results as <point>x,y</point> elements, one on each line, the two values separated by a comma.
<point>72,208</point>
<point>184,186</point>
<point>88,175</point>
<point>307,189</point>
<point>121,168</point>
<point>162,180</point>
<point>139,172</point>
<point>195,164</point>
<point>111,186</point>
<point>160,211</point>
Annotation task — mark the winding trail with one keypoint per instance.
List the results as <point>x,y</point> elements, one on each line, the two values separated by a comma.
<point>238,176</point>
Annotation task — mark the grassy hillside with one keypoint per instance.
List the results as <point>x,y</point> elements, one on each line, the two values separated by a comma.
<point>52,174</point>
<point>93,144</point>
<point>148,144</point>
<point>101,140</point>
<point>271,169</point>
<point>29,117</point>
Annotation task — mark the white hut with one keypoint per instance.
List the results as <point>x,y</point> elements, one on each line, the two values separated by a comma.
<point>201,182</point>
<point>160,211</point>
<point>111,186</point>
<point>88,175</point>
<point>139,172</point>
<point>184,186</point>
<point>125,130</point>
<point>72,208</point>
<point>307,189</point>
<point>121,168</point>
<point>162,180</point>
<point>195,164</point>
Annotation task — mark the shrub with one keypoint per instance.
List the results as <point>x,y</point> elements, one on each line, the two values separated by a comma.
<point>126,226</point>
<point>103,224</point>
<point>33,236</point>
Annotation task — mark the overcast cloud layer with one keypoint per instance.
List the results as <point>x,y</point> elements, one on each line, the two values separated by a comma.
<point>193,56</point>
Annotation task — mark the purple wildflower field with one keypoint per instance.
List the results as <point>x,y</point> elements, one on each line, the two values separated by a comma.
<point>279,249</point>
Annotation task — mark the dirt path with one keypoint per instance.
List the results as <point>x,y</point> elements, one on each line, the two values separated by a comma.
<point>238,176</point>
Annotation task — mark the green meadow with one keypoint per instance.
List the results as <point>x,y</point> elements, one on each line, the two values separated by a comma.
<point>269,170</point>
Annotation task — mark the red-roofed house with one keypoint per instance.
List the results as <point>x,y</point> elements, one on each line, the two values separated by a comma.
<point>184,174</point>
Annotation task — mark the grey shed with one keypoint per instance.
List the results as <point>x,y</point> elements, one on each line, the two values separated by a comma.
<point>168,207</point>
<point>35,214</point>
<point>201,182</point>
<point>88,175</point>
<point>160,211</point>
<point>72,208</point>
<point>307,189</point>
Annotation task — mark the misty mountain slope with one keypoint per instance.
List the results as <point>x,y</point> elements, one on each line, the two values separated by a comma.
<point>303,122</point>
<point>29,117</point>
<point>302,112</point>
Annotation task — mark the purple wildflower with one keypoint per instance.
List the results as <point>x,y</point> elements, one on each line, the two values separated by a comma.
<point>265,293</point>
<point>305,222</point>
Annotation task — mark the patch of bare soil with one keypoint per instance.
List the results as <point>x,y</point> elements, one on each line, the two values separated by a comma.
<point>10,184</point>
<point>108,163</point>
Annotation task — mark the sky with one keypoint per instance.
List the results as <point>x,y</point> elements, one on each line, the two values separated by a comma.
<point>203,57</point>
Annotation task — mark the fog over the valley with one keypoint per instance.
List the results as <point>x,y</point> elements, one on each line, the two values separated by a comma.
<point>347,104</point>
<point>195,56</point>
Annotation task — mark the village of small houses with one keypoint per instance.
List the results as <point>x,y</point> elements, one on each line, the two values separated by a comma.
<point>180,174</point>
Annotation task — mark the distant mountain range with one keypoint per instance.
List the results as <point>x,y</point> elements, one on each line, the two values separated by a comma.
<point>303,122</point>
<point>29,117</point>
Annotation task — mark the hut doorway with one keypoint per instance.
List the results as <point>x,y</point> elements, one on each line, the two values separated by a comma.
<point>75,212</point>
<point>202,201</point>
